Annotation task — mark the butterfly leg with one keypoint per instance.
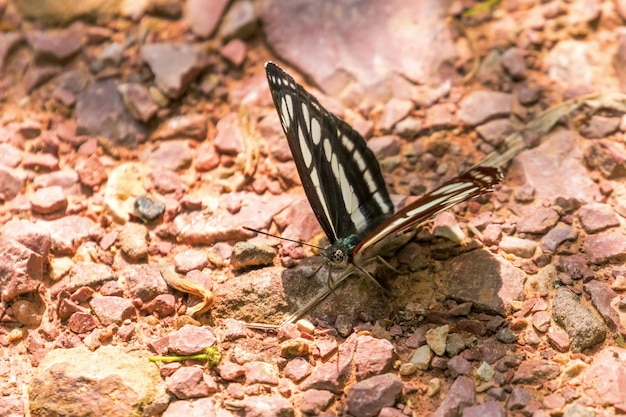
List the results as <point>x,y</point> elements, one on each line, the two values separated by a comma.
<point>387,264</point>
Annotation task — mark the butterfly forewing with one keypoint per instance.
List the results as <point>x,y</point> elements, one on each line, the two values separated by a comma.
<point>397,230</point>
<point>340,175</point>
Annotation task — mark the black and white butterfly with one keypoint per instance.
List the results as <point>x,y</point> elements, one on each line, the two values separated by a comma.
<point>344,185</point>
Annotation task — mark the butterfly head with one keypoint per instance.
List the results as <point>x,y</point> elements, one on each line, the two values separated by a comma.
<point>339,254</point>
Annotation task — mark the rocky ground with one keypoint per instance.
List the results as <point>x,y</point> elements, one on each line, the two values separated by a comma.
<point>137,138</point>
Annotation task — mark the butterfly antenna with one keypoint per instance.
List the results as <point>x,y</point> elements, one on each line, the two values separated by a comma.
<point>282,238</point>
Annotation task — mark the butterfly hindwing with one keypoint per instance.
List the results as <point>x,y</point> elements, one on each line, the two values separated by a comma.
<point>340,175</point>
<point>398,229</point>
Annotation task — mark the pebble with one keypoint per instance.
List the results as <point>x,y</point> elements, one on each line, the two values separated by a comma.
<point>605,247</point>
<point>297,369</point>
<point>27,313</point>
<point>461,394</point>
<point>91,172</point>
<point>249,255</point>
<point>459,366</point>
<point>395,110</point>
<point>524,248</point>
<point>366,398</point>
<point>538,221</point>
<point>314,401</point>
<point>596,217</point>
<point>436,339</point>
<point>188,126</point>
<point>514,64</point>
<point>267,406</point>
<point>495,131</point>
<point>203,16</point>
<point>189,260</point>
<point>229,138</point>
<point>480,106</point>
<point>240,21</point>
<point>421,357</point>
<point>486,409</point>
<point>557,235</point>
<point>147,208</point>
<point>133,240</point>
<point>608,157</point>
<point>260,373</point>
<point>112,310</point>
<point>445,225</point>
<point>600,127</point>
<point>231,371</point>
<point>143,281</point>
<point>234,52</point>
<point>174,65</point>
<point>137,101</point>
<point>48,200</point>
<point>189,340</point>
<point>188,382</point>
<point>373,356</point>
<point>82,322</point>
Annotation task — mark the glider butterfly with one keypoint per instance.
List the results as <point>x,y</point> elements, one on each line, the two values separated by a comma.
<point>344,185</point>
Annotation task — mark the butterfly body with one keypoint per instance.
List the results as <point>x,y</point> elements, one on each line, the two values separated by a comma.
<point>344,185</point>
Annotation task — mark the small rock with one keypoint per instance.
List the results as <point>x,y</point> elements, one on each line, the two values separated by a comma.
<point>137,101</point>
<point>485,372</point>
<point>297,369</point>
<point>189,126</point>
<point>229,138</point>
<point>596,217</point>
<point>240,21</point>
<point>519,398</point>
<point>557,235</point>
<point>608,157</point>
<point>524,248</point>
<point>600,127</point>
<point>459,366</point>
<point>147,208</point>
<point>260,373</point>
<point>513,62</point>
<point>436,339</point>
<point>421,357</point>
<point>143,281</point>
<point>372,356</point>
<point>247,255</point>
<point>446,226</point>
<point>605,247</point>
<point>395,110</point>
<point>535,371</point>
<point>234,52</point>
<point>268,406</point>
<point>366,398</point>
<point>583,327</point>
<point>175,65</point>
<point>461,394</point>
<point>91,172</point>
<point>48,200</point>
<point>133,241</point>
<point>314,401</point>
<point>230,371</point>
<point>189,340</point>
<point>81,322</point>
<point>204,16</point>
<point>538,221</point>
<point>188,382</point>
<point>480,106</point>
<point>112,310</point>
<point>190,259</point>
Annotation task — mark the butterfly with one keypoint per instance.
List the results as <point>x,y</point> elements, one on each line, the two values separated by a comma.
<point>345,187</point>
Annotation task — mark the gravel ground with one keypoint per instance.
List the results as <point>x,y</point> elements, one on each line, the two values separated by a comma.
<point>137,140</point>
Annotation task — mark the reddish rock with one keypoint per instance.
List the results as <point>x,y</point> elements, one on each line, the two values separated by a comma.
<point>229,138</point>
<point>462,394</point>
<point>162,305</point>
<point>234,52</point>
<point>230,371</point>
<point>189,126</point>
<point>91,171</point>
<point>459,366</point>
<point>520,397</point>
<point>583,327</point>
<point>605,379</point>
<point>486,409</point>
<point>535,371</point>
<point>557,235</point>
<point>297,369</point>
<point>373,356</point>
<point>174,65</point>
<point>203,16</point>
<point>596,217</point>
<point>601,297</point>
<point>21,270</point>
<point>143,281</point>
<point>541,321</point>
<point>68,232</point>
<point>81,322</point>
<point>514,64</point>
<point>58,45</point>
<point>267,406</point>
<point>137,101</point>
<point>605,247</point>
<point>112,310</point>
<point>608,157</point>
<point>366,398</point>
<point>48,200</point>
<point>190,259</point>
<point>29,235</point>
<point>495,131</point>
<point>559,340</point>
<point>173,155</point>
<point>599,127</point>
<point>207,157</point>
<point>480,106</point>
<point>395,110</point>
<point>40,161</point>
<point>66,179</point>
<point>188,382</point>
<point>189,340</point>
<point>10,156</point>
<point>314,401</point>
<point>538,221</point>
<point>234,329</point>
<point>260,373</point>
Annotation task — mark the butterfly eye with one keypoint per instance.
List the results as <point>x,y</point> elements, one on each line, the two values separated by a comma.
<point>336,256</point>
